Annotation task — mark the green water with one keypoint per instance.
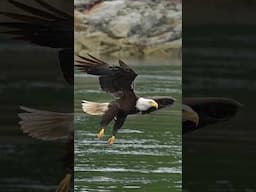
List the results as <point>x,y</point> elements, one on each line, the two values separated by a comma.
<point>147,153</point>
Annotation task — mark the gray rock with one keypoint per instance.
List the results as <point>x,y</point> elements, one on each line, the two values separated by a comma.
<point>137,4</point>
<point>161,38</point>
<point>172,17</point>
<point>150,19</point>
<point>169,49</point>
<point>122,26</point>
<point>130,28</point>
<point>105,11</point>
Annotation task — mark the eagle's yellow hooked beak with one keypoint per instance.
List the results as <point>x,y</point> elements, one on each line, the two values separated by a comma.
<point>153,104</point>
<point>189,114</point>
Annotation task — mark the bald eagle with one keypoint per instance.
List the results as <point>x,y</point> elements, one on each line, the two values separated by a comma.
<point>118,81</point>
<point>199,112</point>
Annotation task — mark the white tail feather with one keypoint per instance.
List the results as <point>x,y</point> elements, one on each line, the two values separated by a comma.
<point>93,108</point>
<point>46,125</point>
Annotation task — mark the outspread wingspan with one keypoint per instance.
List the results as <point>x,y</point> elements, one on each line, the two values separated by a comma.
<point>112,78</point>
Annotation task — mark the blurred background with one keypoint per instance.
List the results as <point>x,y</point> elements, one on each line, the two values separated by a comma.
<point>30,75</point>
<point>123,28</point>
<point>219,60</point>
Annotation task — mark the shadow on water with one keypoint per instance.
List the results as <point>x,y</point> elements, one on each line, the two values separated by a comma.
<point>147,152</point>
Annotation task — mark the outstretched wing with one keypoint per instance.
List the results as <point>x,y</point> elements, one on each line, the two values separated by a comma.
<point>162,103</point>
<point>112,78</point>
<point>46,125</point>
<point>44,25</point>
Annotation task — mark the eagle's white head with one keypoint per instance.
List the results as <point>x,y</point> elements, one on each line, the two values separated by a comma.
<point>144,104</point>
<point>188,114</point>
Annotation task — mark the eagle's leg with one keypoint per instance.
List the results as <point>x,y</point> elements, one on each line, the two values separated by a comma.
<point>111,140</point>
<point>64,185</point>
<point>100,134</point>
<point>119,121</point>
<point>107,117</point>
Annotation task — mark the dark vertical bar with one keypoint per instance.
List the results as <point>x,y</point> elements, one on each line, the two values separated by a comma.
<point>36,71</point>
<point>219,61</point>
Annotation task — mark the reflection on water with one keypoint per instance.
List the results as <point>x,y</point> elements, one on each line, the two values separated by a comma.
<point>147,152</point>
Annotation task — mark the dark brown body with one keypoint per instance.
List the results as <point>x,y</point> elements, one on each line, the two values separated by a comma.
<point>119,109</point>
<point>127,102</point>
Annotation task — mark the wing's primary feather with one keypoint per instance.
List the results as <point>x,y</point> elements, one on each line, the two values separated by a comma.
<point>24,18</point>
<point>54,9</point>
<point>45,26</point>
<point>111,78</point>
<point>92,66</point>
<point>33,10</point>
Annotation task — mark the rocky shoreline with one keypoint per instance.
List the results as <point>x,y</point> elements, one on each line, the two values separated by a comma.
<point>132,28</point>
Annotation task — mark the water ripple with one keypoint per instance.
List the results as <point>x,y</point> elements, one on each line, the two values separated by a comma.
<point>161,170</point>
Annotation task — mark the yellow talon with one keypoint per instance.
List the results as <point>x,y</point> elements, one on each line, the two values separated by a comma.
<point>64,185</point>
<point>111,140</point>
<point>100,135</point>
